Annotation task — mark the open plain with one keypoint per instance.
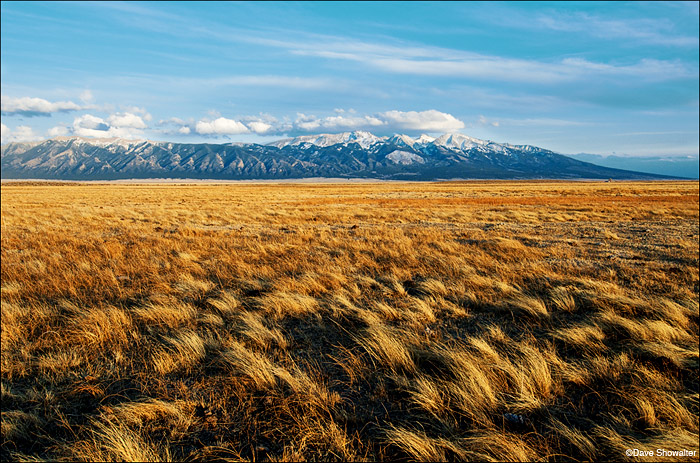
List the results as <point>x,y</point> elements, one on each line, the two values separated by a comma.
<point>413,321</point>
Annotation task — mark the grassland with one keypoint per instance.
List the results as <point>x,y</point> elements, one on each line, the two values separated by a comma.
<point>461,321</point>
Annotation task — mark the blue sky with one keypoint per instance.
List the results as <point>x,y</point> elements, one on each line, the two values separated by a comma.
<point>588,77</point>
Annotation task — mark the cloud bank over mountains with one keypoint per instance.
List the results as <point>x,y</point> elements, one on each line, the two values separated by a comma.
<point>388,121</point>
<point>135,122</point>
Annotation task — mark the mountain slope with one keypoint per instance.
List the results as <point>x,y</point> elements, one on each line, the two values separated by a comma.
<point>345,155</point>
<point>677,166</point>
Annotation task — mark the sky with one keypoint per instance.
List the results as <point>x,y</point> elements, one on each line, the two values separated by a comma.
<point>594,77</point>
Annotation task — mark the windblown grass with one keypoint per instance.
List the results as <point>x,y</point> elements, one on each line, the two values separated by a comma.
<point>502,321</point>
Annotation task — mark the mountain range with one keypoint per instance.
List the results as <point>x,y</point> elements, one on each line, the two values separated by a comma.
<point>345,155</point>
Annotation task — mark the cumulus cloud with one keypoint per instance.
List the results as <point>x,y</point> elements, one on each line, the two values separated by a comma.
<point>140,111</point>
<point>58,131</point>
<point>343,120</point>
<point>333,123</point>
<point>307,123</point>
<point>263,124</point>
<point>176,126</point>
<point>90,122</point>
<point>220,126</point>
<point>127,120</point>
<point>339,123</point>
<point>30,107</point>
<point>259,127</point>
<point>24,133</point>
<point>389,121</point>
<point>4,132</point>
<point>19,134</point>
<point>429,121</point>
<point>117,125</point>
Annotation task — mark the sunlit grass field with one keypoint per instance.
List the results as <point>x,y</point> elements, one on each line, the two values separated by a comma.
<point>388,321</point>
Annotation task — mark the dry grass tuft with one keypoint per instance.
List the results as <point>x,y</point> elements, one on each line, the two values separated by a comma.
<point>258,369</point>
<point>253,329</point>
<point>113,441</point>
<point>171,314</point>
<point>282,304</point>
<point>184,351</point>
<point>386,348</point>
<point>417,445</point>
<point>521,304</point>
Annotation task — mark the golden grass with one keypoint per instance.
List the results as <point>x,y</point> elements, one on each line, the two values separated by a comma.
<point>499,321</point>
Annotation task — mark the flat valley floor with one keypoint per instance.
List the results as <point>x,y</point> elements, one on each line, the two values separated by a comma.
<point>384,321</point>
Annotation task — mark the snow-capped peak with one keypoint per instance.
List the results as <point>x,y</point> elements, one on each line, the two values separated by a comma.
<point>425,139</point>
<point>364,139</point>
<point>459,141</point>
<point>102,142</point>
<point>401,140</point>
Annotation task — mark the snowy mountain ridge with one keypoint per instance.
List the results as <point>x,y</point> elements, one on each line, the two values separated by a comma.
<point>356,154</point>
<point>367,139</point>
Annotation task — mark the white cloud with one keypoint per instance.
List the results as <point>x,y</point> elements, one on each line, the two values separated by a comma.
<point>58,131</point>
<point>181,126</point>
<point>128,120</point>
<point>507,69</point>
<point>474,67</point>
<point>95,127</point>
<point>259,126</point>
<point>429,121</point>
<point>263,124</point>
<point>136,110</point>
<point>24,133</point>
<point>307,123</point>
<point>343,120</point>
<point>437,61</point>
<point>352,122</point>
<point>336,123</point>
<point>220,126</point>
<point>4,132</point>
<point>389,121</point>
<point>19,134</point>
<point>27,106</point>
<point>90,122</point>
<point>658,31</point>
